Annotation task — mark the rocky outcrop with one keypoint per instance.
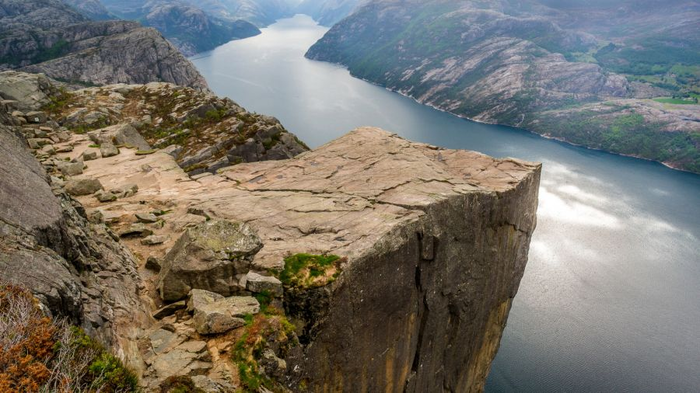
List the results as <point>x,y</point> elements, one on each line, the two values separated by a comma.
<point>187,26</point>
<point>203,132</point>
<point>75,50</point>
<point>74,267</point>
<point>92,9</point>
<point>371,263</point>
<point>432,244</point>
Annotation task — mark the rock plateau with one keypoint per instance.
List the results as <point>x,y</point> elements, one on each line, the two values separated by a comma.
<point>371,263</point>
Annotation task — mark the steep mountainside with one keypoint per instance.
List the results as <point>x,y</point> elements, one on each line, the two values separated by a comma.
<point>567,71</point>
<point>370,264</point>
<point>47,36</point>
<point>328,12</point>
<point>93,9</point>
<point>187,26</point>
<point>259,12</point>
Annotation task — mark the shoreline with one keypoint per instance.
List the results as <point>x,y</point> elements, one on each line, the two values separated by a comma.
<point>549,137</point>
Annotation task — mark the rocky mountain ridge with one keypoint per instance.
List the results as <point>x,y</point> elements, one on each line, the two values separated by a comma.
<point>93,9</point>
<point>47,36</point>
<point>529,65</point>
<point>263,274</point>
<point>186,25</point>
<point>328,12</point>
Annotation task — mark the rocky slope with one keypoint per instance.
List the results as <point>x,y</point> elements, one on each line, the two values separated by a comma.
<point>328,12</point>
<point>92,9</point>
<point>527,64</point>
<point>48,243</point>
<point>371,263</point>
<point>259,12</point>
<point>67,47</point>
<point>186,25</point>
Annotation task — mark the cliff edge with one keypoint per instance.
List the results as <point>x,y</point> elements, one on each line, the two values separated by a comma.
<point>371,263</point>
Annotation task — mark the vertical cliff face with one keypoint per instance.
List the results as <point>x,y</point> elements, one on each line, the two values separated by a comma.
<point>424,309</point>
<point>420,308</point>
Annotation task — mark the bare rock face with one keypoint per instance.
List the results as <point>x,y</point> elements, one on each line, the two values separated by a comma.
<point>208,256</point>
<point>47,36</point>
<point>119,52</point>
<point>29,91</point>
<point>47,245</point>
<point>436,244</point>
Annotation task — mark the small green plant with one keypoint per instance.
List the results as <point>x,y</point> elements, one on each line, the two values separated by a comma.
<point>264,298</point>
<point>310,271</point>
<point>109,373</point>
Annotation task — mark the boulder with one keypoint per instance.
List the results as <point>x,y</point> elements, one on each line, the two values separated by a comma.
<point>152,263</point>
<point>258,283</point>
<point>169,310</point>
<point>136,230</point>
<point>36,117</point>
<point>208,256</point>
<point>146,217</point>
<point>108,150</point>
<point>79,187</point>
<point>48,150</point>
<point>105,196</point>
<point>89,155</point>
<point>208,385</point>
<point>71,168</point>
<point>189,358</point>
<point>30,91</point>
<point>225,314</point>
<point>154,240</point>
<point>125,191</point>
<point>120,134</point>
<point>199,298</point>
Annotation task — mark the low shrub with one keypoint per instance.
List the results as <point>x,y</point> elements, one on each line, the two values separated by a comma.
<point>38,354</point>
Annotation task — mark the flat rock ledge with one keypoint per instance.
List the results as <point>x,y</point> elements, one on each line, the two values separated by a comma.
<point>433,244</point>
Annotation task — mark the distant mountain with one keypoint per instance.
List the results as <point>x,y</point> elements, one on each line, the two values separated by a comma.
<point>585,72</point>
<point>93,9</point>
<point>259,12</point>
<point>328,12</point>
<point>187,26</point>
<point>50,37</point>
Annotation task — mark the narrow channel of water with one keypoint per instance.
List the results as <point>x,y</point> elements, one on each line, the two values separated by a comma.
<point>610,301</point>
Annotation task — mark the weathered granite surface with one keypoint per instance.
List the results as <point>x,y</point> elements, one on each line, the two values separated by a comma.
<point>436,243</point>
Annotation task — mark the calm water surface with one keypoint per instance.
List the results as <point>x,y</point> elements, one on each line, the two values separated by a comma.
<point>610,301</point>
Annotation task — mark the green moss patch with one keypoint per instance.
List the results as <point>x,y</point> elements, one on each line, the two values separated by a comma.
<point>310,271</point>
<point>260,331</point>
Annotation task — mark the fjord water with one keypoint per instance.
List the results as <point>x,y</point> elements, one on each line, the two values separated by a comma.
<point>610,301</point>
